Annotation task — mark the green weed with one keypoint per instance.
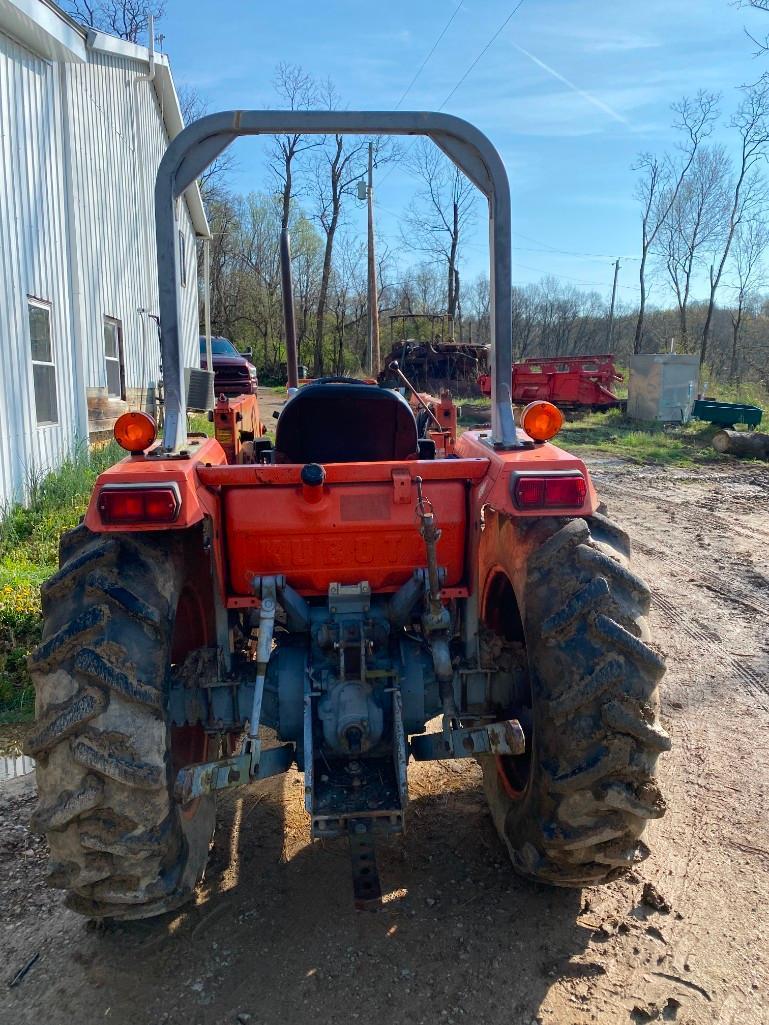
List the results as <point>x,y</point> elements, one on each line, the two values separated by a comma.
<point>198,423</point>
<point>29,543</point>
<point>750,393</point>
<point>686,445</point>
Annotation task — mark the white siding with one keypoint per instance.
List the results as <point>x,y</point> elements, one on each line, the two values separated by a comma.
<point>34,262</point>
<point>114,227</point>
<point>77,231</point>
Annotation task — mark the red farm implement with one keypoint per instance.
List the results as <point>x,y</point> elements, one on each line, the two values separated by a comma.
<point>569,381</point>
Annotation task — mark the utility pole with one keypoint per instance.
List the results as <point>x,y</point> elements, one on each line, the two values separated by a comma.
<point>611,309</point>
<point>374,356</point>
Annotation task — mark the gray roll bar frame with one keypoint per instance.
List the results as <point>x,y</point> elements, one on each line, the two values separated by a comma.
<point>190,153</point>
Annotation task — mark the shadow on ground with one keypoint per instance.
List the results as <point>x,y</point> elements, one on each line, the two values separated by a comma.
<point>275,936</point>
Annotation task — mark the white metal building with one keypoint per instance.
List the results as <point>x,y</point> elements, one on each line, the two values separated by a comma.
<point>84,121</point>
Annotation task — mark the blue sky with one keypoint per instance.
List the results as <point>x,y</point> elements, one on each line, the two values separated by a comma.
<point>570,92</point>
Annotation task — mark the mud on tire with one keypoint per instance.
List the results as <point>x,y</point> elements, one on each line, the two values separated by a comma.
<point>119,844</point>
<point>571,812</point>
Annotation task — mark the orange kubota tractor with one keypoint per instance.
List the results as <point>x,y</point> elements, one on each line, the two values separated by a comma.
<point>340,589</point>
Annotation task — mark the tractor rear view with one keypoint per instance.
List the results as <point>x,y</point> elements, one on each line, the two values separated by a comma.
<point>230,608</point>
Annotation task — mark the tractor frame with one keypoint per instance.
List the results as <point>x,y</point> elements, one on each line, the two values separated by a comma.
<point>342,588</point>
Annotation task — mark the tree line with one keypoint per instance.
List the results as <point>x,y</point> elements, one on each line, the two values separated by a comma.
<point>704,233</point>
<point>313,187</point>
<point>703,242</point>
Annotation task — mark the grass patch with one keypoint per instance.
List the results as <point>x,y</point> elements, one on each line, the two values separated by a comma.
<point>474,412</point>
<point>749,393</point>
<point>198,423</point>
<point>29,545</point>
<point>611,432</point>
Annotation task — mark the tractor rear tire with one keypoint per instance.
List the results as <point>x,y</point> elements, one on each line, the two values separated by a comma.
<point>120,845</point>
<point>572,810</point>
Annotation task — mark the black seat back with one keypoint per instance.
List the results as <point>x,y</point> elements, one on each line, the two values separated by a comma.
<point>345,421</point>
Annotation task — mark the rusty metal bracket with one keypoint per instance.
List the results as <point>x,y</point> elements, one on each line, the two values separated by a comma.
<point>499,738</point>
<point>208,777</point>
<point>366,888</point>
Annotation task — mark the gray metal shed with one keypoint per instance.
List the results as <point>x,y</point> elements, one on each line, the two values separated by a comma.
<point>662,387</point>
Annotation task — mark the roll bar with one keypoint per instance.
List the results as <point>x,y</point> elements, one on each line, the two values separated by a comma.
<point>198,145</point>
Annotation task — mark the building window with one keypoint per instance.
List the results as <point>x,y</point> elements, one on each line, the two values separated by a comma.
<point>113,357</point>
<point>43,366</point>
<point>182,260</point>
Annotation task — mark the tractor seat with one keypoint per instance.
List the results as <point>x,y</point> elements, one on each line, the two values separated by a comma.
<point>341,420</point>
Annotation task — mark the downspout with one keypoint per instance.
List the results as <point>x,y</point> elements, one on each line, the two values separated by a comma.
<point>145,309</point>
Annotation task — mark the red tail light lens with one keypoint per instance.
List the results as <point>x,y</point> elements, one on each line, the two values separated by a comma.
<point>148,504</point>
<point>565,491</point>
<point>529,493</point>
<point>556,492</point>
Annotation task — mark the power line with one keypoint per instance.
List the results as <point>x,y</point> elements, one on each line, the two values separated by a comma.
<point>546,248</point>
<point>483,51</point>
<point>569,252</point>
<point>421,67</point>
<point>591,257</point>
<point>487,47</point>
<point>574,281</point>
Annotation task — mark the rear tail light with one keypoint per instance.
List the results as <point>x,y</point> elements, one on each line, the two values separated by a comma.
<point>150,503</point>
<point>549,492</point>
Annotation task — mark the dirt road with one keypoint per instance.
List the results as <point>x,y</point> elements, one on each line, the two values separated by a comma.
<point>273,937</point>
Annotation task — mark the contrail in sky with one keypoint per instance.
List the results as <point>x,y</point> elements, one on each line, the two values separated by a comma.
<point>575,88</point>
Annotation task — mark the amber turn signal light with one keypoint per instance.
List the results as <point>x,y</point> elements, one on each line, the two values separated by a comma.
<point>135,432</point>
<point>541,420</point>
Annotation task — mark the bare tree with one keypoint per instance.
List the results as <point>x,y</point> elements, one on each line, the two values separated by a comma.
<point>350,257</point>
<point>695,224</point>
<point>385,275</point>
<point>259,254</point>
<point>748,189</point>
<point>306,261</point>
<point>750,243</point>
<point>661,181</point>
<point>213,181</point>
<point>298,91</point>
<point>341,162</point>
<point>480,305</point>
<point>128,19</point>
<point>438,215</point>
<point>759,5</point>
<point>227,294</point>
<point>526,314</point>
